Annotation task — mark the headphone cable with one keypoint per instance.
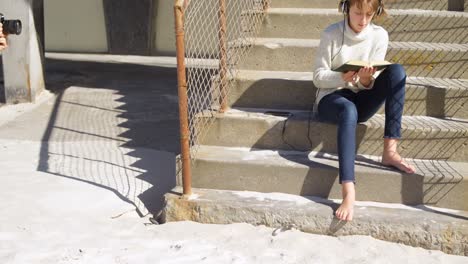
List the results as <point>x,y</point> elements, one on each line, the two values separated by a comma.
<point>311,110</point>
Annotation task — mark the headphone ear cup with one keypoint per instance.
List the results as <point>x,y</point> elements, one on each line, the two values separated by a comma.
<point>380,8</point>
<point>379,11</point>
<point>344,6</point>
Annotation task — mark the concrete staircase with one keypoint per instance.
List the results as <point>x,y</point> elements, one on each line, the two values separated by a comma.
<point>277,76</point>
<point>249,149</point>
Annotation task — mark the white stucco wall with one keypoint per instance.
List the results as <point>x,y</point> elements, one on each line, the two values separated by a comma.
<point>79,26</point>
<point>75,26</point>
<point>164,41</point>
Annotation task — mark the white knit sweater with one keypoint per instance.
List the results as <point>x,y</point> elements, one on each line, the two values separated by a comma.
<point>368,45</point>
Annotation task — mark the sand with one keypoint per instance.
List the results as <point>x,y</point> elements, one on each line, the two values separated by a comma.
<point>46,218</point>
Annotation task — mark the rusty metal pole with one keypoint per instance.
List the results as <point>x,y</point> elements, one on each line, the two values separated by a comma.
<point>179,9</point>
<point>222,56</point>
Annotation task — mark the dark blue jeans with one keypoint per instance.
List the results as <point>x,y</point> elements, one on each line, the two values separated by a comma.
<point>346,108</point>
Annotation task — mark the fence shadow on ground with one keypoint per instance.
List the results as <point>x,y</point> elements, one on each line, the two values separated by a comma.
<point>114,126</point>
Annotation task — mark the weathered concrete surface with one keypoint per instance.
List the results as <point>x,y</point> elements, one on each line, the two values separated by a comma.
<point>420,59</point>
<point>402,25</point>
<point>23,68</point>
<point>129,26</point>
<point>423,137</point>
<point>109,124</point>
<point>436,183</point>
<point>424,227</point>
<point>295,90</point>
<point>456,5</point>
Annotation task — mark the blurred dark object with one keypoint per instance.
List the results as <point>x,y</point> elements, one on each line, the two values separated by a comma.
<point>12,26</point>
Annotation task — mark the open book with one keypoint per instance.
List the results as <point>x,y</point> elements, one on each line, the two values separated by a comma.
<point>355,65</point>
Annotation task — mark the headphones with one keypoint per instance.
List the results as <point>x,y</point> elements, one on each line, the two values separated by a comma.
<point>344,7</point>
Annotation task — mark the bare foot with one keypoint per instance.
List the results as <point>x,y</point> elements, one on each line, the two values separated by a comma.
<point>395,160</point>
<point>346,210</point>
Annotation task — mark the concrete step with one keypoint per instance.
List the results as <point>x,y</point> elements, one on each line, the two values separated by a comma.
<point>295,90</point>
<point>389,4</point>
<point>436,183</point>
<point>402,25</point>
<point>423,137</point>
<point>419,58</point>
<point>421,226</point>
<point>304,4</point>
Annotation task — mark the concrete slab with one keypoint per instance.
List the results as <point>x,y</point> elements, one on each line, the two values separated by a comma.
<point>420,59</point>
<point>423,137</point>
<point>402,25</point>
<point>436,183</point>
<point>107,124</point>
<point>295,90</point>
<point>444,230</point>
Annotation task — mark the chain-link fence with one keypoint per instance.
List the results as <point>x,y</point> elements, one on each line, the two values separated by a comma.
<point>217,33</point>
<point>430,42</point>
<point>423,4</point>
<point>428,39</point>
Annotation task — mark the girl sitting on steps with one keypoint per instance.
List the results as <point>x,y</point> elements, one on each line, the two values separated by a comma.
<point>355,96</point>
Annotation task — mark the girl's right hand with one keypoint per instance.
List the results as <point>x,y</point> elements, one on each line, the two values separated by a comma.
<point>349,76</point>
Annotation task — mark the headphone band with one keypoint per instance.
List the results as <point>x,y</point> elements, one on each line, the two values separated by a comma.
<point>344,7</point>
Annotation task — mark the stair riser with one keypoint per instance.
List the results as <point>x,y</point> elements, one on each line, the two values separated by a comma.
<point>296,94</point>
<point>418,63</point>
<point>323,182</point>
<point>267,134</point>
<point>436,102</point>
<point>395,4</point>
<point>409,28</point>
<point>272,93</point>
